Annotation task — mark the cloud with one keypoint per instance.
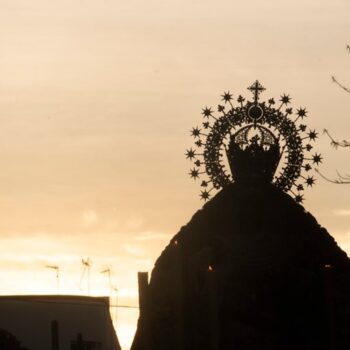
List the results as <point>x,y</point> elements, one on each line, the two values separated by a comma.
<point>134,223</point>
<point>341,212</point>
<point>150,236</point>
<point>134,249</point>
<point>89,217</point>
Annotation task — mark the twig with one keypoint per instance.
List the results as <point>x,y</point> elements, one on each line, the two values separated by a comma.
<point>335,143</point>
<point>342,180</point>
<point>334,79</point>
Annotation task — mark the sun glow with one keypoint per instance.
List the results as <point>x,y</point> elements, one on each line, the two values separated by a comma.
<point>95,102</point>
<point>24,260</point>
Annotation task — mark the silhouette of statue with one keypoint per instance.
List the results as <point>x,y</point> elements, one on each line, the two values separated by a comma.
<point>252,269</point>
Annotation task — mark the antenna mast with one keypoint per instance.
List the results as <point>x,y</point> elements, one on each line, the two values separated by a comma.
<point>108,272</point>
<point>111,290</point>
<point>57,269</point>
<point>86,266</point>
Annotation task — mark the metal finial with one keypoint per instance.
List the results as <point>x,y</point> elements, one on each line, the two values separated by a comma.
<point>256,89</point>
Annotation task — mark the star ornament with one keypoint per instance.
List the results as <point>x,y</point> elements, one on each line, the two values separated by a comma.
<point>312,134</point>
<point>207,112</point>
<point>301,112</point>
<point>190,154</point>
<point>205,195</point>
<point>285,99</point>
<point>195,132</point>
<point>310,181</point>
<point>227,96</point>
<point>299,198</point>
<point>316,158</point>
<point>194,173</point>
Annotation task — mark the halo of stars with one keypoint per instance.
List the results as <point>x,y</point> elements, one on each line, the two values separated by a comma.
<point>278,117</point>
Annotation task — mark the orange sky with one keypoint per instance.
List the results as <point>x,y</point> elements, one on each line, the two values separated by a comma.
<point>96,101</point>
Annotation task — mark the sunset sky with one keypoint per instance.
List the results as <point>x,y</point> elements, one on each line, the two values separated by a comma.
<point>97,98</point>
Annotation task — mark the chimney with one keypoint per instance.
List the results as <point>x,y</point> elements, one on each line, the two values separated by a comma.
<point>143,292</point>
<point>55,345</point>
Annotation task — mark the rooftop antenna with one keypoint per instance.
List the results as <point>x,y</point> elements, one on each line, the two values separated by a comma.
<point>115,289</point>
<point>112,289</point>
<point>86,267</point>
<point>108,272</point>
<point>57,268</point>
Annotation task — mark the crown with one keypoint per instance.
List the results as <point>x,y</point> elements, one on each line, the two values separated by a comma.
<point>259,142</point>
<point>253,155</point>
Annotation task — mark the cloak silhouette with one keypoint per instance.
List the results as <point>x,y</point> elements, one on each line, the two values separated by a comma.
<point>251,270</point>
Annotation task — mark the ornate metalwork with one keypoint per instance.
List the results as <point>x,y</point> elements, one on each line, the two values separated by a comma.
<point>271,124</point>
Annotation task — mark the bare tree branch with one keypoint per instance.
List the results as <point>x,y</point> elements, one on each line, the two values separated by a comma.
<point>334,79</point>
<point>346,177</point>
<point>334,143</point>
<point>341,180</point>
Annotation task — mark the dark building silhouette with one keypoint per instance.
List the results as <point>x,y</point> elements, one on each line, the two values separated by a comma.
<point>9,342</point>
<point>56,322</point>
<point>252,269</point>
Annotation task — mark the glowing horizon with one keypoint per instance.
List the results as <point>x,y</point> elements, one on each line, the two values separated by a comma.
<point>97,100</point>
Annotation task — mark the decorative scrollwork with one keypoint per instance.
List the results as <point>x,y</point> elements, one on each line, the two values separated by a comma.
<point>270,124</point>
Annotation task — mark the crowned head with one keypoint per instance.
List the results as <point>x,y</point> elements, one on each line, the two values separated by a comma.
<point>253,154</point>
<point>259,141</point>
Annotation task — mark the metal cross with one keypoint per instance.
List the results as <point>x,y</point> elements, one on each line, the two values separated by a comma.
<point>256,89</point>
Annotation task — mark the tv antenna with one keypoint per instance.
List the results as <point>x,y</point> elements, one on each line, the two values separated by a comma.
<point>112,289</point>
<point>57,269</point>
<point>115,289</point>
<point>86,269</point>
<point>108,272</point>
